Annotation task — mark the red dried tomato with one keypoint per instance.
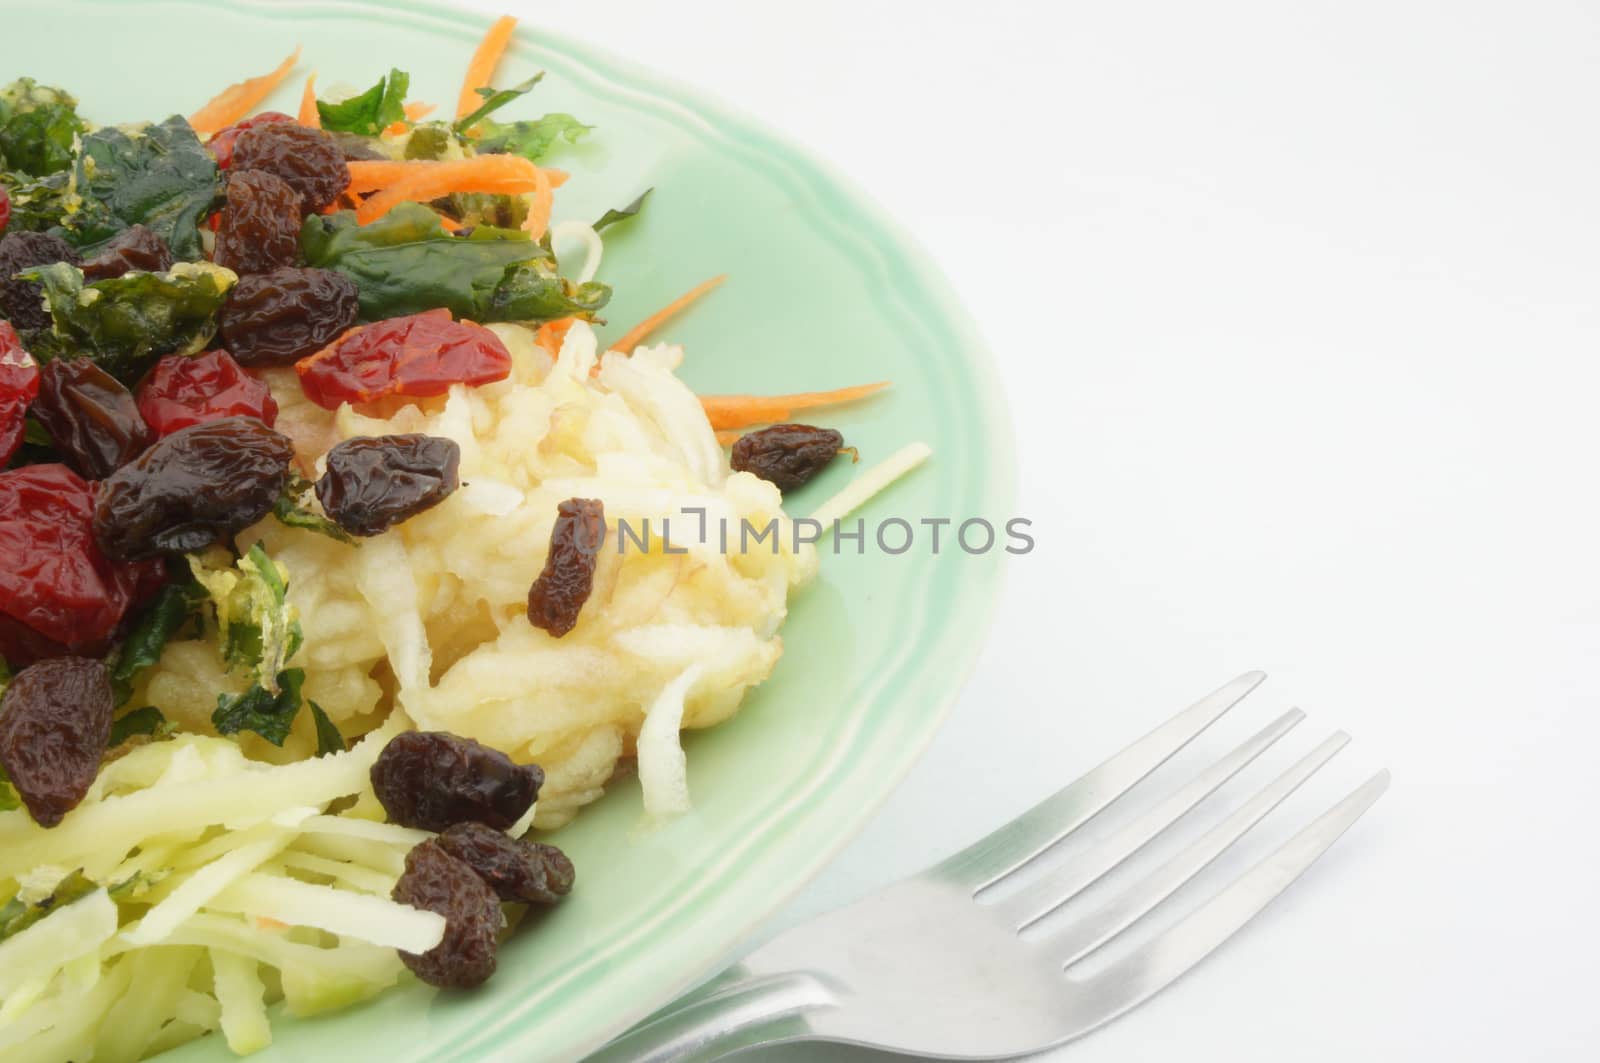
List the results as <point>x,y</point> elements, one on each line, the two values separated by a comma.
<point>181,391</point>
<point>221,145</point>
<point>19,386</point>
<point>420,356</point>
<point>59,595</point>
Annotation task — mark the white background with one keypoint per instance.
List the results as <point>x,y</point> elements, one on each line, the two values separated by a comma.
<point>1296,308</point>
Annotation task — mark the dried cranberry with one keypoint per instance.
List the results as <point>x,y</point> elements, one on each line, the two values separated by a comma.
<point>19,385</point>
<point>374,483</point>
<point>195,487</point>
<point>435,881</point>
<point>181,391</point>
<point>23,301</point>
<point>134,248</point>
<point>421,355</point>
<point>58,592</point>
<point>433,780</point>
<point>308,159</point>
<point>786,454</point>
<point>221,145</point>
<point>557,596</point>
<point>278,318</point>
<point>55,719</point>
<point>517,870</point>
<point>5,210</point>
<point>259,229</point>
<point>91,418</point>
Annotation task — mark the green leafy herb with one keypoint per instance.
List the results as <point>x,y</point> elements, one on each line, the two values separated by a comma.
<point>17,915</point>
<point>37,128</point>
<point>531,139</point>
<point>269,713</point>
<point>9,798</point>
<point>145,721</point>
<point>173,605</point>
<point>371,112</point>
<point>616,214</point>
<point>494,99</point>
<point>404,263</point>
<point>159,176</point>
<point>126,323</point>
<point>257,627</point>
<point>329,740</point>
<point>293,509</point>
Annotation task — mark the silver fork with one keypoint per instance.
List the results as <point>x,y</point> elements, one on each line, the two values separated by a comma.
<point>930,967</point>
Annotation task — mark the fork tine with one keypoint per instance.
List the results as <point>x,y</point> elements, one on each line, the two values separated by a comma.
<point>1137,977</point>
<point>1051,892</point>
<point>1083,937</point>
<point>990,859</point>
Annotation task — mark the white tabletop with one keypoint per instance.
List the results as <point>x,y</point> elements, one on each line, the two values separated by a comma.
<point>1296,307</point>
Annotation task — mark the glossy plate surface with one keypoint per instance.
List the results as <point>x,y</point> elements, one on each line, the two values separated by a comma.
<point>824,291</point>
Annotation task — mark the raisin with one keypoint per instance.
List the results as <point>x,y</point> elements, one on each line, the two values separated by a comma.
<point>19,386</point>
<point>557,596</point>
<point>259,229</point>
<point>23,301</point>
<point>308,159</point>
<point>433,780</point>
<point>278,318</point>
<point>221,145</point>
<point>421,355</point>
<point>435,881</point>
<point>182,391</point>
<point>55,719</point>
<point>58,593</point>
<point>357,148</point>
<point>517,870</point>
<point>90,417</point>
<point>787,454</point>
<point>374,483</point>
<point>134,248</point>
<point>196,487</point>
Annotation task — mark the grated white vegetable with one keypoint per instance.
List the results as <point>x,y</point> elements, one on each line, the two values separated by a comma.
<point>876,479</point>
<point>663,768</point>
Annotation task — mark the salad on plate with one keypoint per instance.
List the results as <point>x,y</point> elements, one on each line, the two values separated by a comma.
<point>338,555</point>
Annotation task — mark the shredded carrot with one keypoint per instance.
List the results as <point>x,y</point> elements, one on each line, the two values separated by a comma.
<point>416,111</point>
<point>309,115</point>
<point>728,437</point>
<point>636,335</point>
<point>450,224</point>
<point>421,181</point>
<point>238,100</point>
<point>481,70</point>
<point>543,202</point>
<point>552,334</point>
<point>739,411</point>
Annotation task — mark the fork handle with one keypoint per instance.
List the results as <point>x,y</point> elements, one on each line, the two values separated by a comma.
<point>739,1011</point>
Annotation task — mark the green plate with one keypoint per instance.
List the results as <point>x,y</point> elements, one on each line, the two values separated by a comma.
<point>823,291</point>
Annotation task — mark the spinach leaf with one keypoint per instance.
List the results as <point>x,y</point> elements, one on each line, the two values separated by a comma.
<point>493,100</point>
<point>37,127</point>
<point>269,714</point>
<point>257,626</point>
<point>329,740</point>
<point>145,721</point>
<point>173,605</point>
<point>17,915</point>
<point>125,323</point>
<point>616,214</point>
<point>37,204</point>
<point>160,176</point>
<point>530,139</point>
<point>405,263</point>
<point>369,113</point>
<point>293,509</point>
